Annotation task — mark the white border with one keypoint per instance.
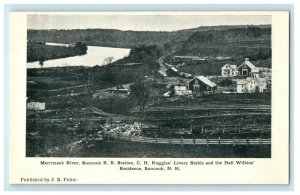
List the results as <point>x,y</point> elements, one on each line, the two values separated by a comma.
<point>264,171</point>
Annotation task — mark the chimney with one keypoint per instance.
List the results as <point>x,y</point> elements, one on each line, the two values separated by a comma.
<point>246,59</point>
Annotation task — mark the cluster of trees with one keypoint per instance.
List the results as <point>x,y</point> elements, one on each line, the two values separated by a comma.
<point>139,96</point>
<point>144,54</point>
<point>261,54</point>
<point>234,33</point>
<point>140,93</point>
<point>41,52</point>
<point>107,37</point>
<point>130,39</point>
<point>147,55</point>
<point>227,83</point>
<point>80,48</point>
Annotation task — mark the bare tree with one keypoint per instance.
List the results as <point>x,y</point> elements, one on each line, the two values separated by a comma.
<point>41,61</point>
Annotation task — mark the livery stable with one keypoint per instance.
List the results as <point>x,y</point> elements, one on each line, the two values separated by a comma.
<point>202,84</point>
<point>246,67</point>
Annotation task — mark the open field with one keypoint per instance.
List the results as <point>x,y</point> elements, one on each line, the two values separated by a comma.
<point>77,130</point>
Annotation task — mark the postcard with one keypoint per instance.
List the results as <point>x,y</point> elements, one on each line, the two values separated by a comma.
<point>149,97</point>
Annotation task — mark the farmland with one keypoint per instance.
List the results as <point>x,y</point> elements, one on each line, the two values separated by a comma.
<point>72,125</point>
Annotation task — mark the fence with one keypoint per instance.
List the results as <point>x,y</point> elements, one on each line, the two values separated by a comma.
<point>194,141</point>
<point>212,129</point>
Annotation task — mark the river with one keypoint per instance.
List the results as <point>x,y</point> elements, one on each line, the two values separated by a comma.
<point>95,56</point>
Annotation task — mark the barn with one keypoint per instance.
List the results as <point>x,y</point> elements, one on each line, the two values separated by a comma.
<point>201,84</point>
<point>246,67</point>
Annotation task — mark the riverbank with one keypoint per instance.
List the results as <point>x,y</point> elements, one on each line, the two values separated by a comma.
<point>41,52</point>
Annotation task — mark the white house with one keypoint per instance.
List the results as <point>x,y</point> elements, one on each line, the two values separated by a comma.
<point>36,105</point>
<point>255,73</point>
<point>178,90</point>
<point>120,90</point>
<point>181,90</point>
<point>251,85</point>
<point>260,72</point>
<point>229,70</point>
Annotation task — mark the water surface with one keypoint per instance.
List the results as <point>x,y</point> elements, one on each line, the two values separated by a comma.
<point>95,56</point>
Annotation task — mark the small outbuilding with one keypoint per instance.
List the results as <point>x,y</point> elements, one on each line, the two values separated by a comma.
<point>36,105</point>
<point>172,72</point>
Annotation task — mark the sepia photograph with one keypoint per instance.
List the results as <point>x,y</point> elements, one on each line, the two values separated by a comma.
<point>149,86</point>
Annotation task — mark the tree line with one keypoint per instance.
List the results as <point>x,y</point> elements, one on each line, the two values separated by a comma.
<point>41,52</point>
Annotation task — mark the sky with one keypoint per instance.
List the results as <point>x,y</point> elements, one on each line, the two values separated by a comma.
<point>141,22</point>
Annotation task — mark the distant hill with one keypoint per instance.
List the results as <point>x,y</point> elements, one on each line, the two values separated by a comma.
<point>254,42</point>
<point>103,37</point>
<point>123,39</point>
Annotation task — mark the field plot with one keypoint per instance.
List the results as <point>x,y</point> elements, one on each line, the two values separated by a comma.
<point>191,130</point>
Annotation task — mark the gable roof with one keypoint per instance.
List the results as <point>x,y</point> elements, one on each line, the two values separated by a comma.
<point>163,73</point>
<point>174,69</point>
<point>264,69</point>
<point>205,80</point>
<point>255,70</point>
<point>242,82</point>
<point>259,81</point>
<point>230,65</point>
<point>249,64</point>
<point>124,87</point>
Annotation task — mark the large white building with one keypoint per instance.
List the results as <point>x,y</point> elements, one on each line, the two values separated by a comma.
<point>252,85</point>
